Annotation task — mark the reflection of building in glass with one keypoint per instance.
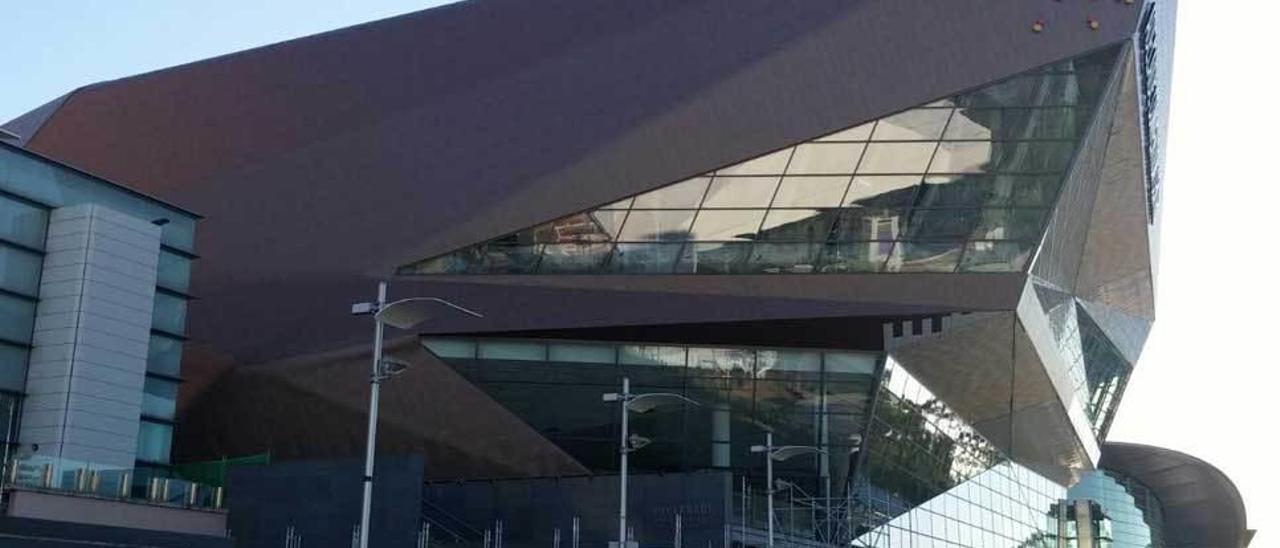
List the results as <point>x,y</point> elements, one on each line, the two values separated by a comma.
<point>926,254</point>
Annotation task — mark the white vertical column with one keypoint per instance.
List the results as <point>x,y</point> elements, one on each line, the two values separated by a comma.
<point>92,331</point>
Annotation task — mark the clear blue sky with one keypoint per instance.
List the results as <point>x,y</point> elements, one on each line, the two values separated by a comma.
<point>1207,379</point>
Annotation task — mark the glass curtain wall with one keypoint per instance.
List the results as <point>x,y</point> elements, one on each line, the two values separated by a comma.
<point>962,184</point>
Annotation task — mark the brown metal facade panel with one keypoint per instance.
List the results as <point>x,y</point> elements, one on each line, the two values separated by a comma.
<point>327,160</point>
<point>1202,507</point>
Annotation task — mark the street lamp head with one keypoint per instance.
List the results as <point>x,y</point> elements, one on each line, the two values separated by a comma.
<point>855,440</point>
<point>788,451</point>
<point>407,313</point>
<point>612,397</point>
<point>390,367</point>
<point>636,442</point>
<point>645,403</point>
<point>758,449</point>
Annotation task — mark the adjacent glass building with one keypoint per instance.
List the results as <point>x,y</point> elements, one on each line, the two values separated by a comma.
<point>94,284</point>
<point>915,239</point>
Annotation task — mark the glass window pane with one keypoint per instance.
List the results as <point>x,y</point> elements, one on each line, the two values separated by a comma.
<point>174,272</point>
<point>912,125</point>
<point>825,158</point>
<point>883,190</point>
<point>595,226</point>
<point>651,355</point>
<point>518,351</point>
<point>1009,224</point>
<point>20,270</point>
<point>962,157</point>
<point>943,191</point>
<point>624,203</point>
<point>862,224</point>
<point>644,258</point>
<point>740,192</point>
<point>451,348</point>
<point>996,256</point>
<point>859,133</point>
<point>713,258</point>
<point>855,256</point>
<point>657,226</point>
<point>17,318</point>
<point>154,442</point>
<point>798,225</point>
<point>727,224</point>
<point>572,258</point>
<point>785,258</point>
<point>785,364</point>
<point>685,194</point>
<point>1040,190</point>
<point>1017,124</point>
<point>811,191</point>
<point>849,363</point>
<point>22,223</point>
<point>498,258</point>
<point>582,353</point>
<point>169,313</point>
<point>721,362</point>
<point>896,158</point>
<point>13,368</point>
<point>941,224</point>
<point>925,257</point>
<point>164,356</point>
<point>769,164</point>
<point>159,398</point>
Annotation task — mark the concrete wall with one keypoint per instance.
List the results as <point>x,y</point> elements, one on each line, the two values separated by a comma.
<point>93,325</point>
<point>115,513</point>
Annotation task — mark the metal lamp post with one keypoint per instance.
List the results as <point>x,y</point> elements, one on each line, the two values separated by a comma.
<point>401,314</point>
<point>779,454</point>
<point>635,403</point>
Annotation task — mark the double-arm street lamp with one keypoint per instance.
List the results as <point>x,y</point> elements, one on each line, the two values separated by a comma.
<point>401,314</point>
<point>779,454</point>
<point>635,403</point>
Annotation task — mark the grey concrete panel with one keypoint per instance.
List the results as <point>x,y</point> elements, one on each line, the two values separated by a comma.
<point>53,507</point>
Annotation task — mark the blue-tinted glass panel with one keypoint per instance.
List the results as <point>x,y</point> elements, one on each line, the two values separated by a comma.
<point>174,272</point>
<point>573,258</point>
<point>20,270</point>
<point>22,223</point>
<point>159,398</point>
<point>714,258</point>
<point>164,356</point>
<point>17,318</point>
<point>154,442</point>
<point>13,367</point>
<point>996,256</point>
<point>656,258</point>
<point>169,313</point>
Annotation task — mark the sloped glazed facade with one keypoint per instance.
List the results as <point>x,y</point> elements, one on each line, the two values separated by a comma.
<point>915,235</point>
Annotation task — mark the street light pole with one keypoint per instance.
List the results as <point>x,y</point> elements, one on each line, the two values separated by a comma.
<point>624,449</point>
<point>401,314</point>
<point>771,454</point>
<point>375,387</point>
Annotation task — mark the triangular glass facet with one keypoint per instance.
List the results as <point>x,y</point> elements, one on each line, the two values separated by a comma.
<point>962,184</point>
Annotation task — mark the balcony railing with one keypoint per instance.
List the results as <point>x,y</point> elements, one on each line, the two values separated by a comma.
<point>78,478</point>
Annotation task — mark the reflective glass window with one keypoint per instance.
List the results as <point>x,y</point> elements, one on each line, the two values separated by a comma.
<point>864,224</point>
<point>740,192</point>
<point>713,258</point>
<point>651,355</point>
<point>169,313</point>
<point>769,164</point>
<point>159,398</point>
<point>797,225</point>
<point>22,223</point>
<point>658,258</point>
<point>13,368</point>
<point>816,191</point>
<point>581,353</point>
<point>449,348</point>
<point>164,356</point>
<point>882,190</point>
<point>173,272</point>
<point>571,258</point>
<point>499,258</point>
<point>596,226</point>
<point>896,158</point>
<point>855,257</point>
<point>912,125</point>
<point>925,257</point>
<point>20,270</point>
<point>686,194</point>
<point>516,351</point>
<point>657,226</point>
<point>154,442</point>
<point>17,318</point>
<point>825,158</point>
<point>727,224</point>
<point>858,133</point>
